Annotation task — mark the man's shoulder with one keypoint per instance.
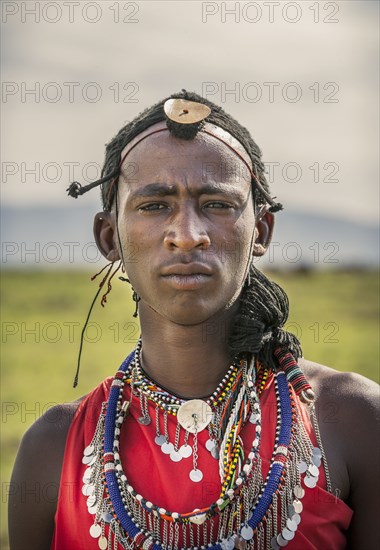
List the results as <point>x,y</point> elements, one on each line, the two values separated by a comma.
<point>353,395</point>
<point>50,430</point>
<point>325,379</point>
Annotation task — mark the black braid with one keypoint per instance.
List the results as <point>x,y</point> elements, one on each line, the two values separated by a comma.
<point>258,326</point>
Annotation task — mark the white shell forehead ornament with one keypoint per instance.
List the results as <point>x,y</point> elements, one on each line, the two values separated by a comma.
<point>184,111</point>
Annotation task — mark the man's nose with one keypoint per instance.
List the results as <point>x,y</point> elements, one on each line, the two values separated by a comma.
<point>186,230</point>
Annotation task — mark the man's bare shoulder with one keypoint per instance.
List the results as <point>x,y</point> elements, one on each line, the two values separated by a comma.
<point>346,399</point>
<point>54,423</point>
<point>324,379</point>
<point>47,438</point>
<point>43,444</point>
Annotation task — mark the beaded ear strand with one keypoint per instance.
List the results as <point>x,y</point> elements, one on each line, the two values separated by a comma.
<point>106,279</point>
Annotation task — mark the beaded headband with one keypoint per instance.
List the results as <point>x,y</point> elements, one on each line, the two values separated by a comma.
<point>179,113</point>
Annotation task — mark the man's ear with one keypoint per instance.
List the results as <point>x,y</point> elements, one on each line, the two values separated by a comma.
<point>104,233</point>
<point>263,232</point>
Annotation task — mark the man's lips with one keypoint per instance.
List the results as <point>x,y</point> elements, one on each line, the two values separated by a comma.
<point>187,276</point>
<point>193,268</point>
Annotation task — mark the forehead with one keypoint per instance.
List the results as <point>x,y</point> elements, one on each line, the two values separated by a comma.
<point>159,155</point>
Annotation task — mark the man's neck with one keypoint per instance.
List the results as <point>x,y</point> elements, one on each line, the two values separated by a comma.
<point>189,361</point>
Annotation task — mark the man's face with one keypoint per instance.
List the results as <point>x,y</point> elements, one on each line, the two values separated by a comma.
<point>185,222</point>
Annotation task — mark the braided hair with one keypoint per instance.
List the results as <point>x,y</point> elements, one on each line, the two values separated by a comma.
<point>264,307</point>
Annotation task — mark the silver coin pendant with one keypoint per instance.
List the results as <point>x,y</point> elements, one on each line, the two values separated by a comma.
<point>196,476</point>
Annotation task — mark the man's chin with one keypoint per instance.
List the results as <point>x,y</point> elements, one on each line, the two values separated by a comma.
<point>196,313</point>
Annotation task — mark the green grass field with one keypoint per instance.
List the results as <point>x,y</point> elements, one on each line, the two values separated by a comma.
<point>334,314</point>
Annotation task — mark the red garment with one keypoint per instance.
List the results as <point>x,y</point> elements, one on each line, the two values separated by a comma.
<point>324,520</point>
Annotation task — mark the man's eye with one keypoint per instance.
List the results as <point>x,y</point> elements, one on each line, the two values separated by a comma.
<point>218,204</point>
<point>152,207</point>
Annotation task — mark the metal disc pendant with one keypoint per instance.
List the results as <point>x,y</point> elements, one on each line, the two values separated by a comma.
<point>95,530</point>
<point>254,418</point>
<point>281,541</point>
<point>159,440</point>
<point>87,475</point>
<point>246,532</point>
<point>317,452</point>
<point>88,450</point>
<point>229,544</point>
<point>313,470</point>
<point>215,453</point>
<point>298,506</point>
<point>310,482</point>
<point>88,490</point>
<point>291,524</point>
<point>196,476</point>
<point>291,510</point>
<point>302,467</point>
<point>274,544</point>
<point>296,518</point>
<point>316,460</point>
<point>185,451</point>
<point>107,517</point>
<point>298,491</point>
<point>102,542</point>
<point>93,509</point>
<point>91,501</point>
<point>175,456</point>
<point>287,534</point>
<point>167,448</point>
<point>144,420</point>
<point>92,461</point>
<point>194,416</point>
<point>210,444</point>
<point>87,459</point>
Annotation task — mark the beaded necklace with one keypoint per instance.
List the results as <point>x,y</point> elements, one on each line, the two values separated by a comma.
<point>209,412</point>
<point>246,513</point>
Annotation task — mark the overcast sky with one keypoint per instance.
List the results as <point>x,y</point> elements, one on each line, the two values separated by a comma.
<point>302,76</point>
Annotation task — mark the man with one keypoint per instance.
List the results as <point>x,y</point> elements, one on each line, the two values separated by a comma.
<point>206,436</point>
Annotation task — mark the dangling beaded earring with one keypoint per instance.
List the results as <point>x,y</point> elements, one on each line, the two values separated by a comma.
<point>135,297</point>
<point>107,278</point>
